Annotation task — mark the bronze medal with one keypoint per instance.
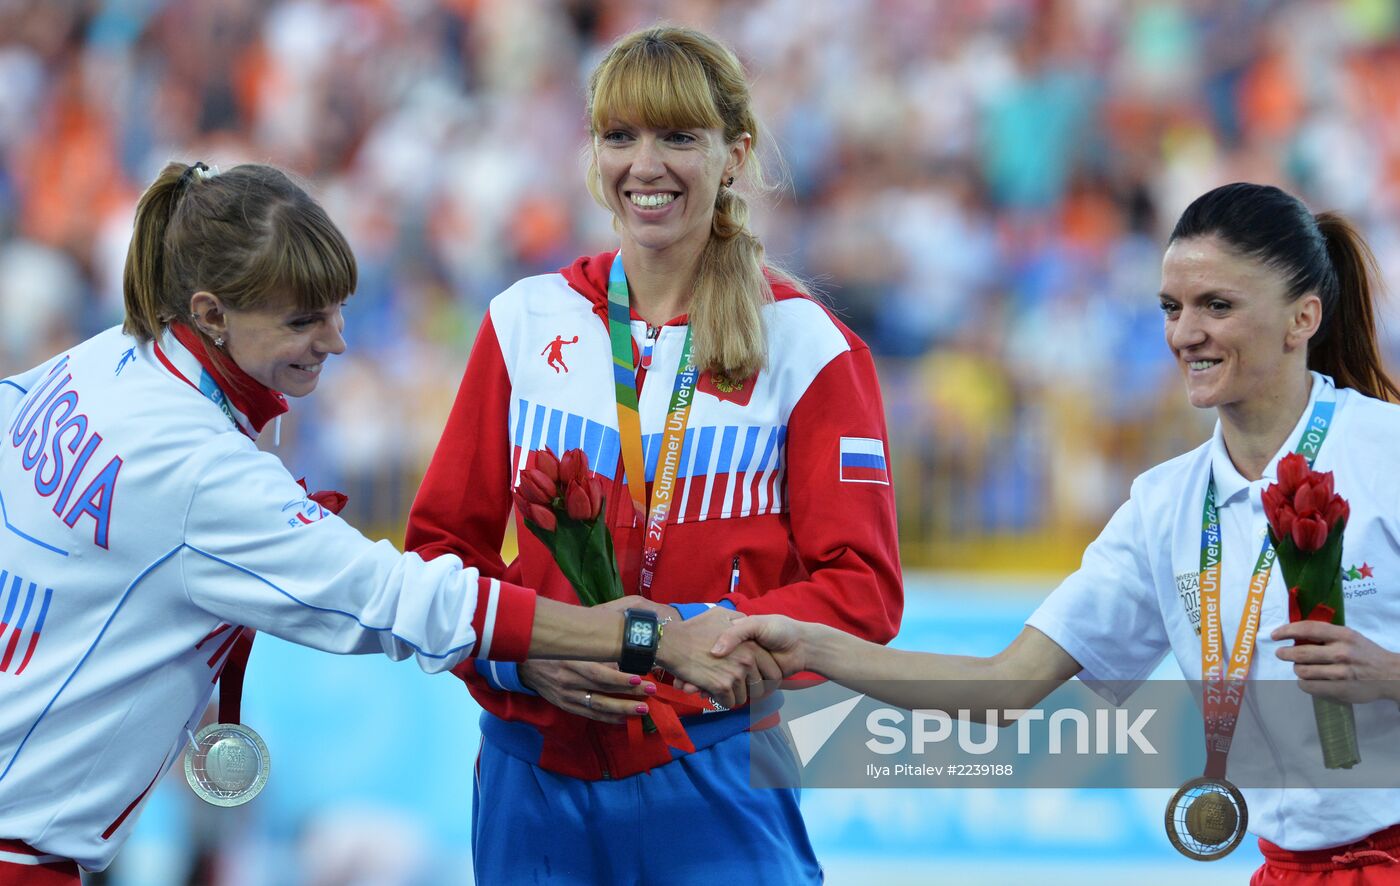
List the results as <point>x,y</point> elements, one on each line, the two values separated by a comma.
<point>1206,819</point>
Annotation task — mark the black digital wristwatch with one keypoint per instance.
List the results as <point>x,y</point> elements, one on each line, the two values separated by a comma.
<point>641,636</point>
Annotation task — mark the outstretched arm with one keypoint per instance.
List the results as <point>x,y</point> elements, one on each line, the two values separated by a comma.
<point>1115,638</point>
<point>1025,672</point>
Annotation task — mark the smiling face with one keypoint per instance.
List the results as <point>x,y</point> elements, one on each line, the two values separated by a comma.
<point>1230,325</point>
<point>279,344</point>
<point>661,183</point>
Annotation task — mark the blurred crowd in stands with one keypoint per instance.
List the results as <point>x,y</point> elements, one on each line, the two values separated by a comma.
<point>981,188</point>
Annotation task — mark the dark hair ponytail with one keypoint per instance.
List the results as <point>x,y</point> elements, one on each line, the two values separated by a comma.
<point>1346,347</point>
<point>1323,255</point>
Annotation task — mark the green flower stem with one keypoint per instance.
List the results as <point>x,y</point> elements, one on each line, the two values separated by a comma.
<point>1336,730</point>
<point>583,549</point>
<point>1318,578</point>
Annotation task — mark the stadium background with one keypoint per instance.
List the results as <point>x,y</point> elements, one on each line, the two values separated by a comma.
<point>981,188</point>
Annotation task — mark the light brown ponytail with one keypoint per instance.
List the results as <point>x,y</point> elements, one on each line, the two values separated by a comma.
<point>1347,348</point>
<point>143,279</point>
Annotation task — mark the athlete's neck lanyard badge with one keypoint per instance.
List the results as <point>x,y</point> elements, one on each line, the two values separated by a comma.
<point>629,423</point>
<point>227,763</point>
<point>1207,817</point>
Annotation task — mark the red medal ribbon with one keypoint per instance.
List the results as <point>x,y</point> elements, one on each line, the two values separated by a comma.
<point>666,708</point>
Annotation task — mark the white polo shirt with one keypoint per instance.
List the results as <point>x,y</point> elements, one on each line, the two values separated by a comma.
<point>1135,597</point>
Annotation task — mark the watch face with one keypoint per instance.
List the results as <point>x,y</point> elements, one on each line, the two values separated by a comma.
<point>640,633</point>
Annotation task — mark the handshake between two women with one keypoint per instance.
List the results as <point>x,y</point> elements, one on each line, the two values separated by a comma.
<point>603,692</point>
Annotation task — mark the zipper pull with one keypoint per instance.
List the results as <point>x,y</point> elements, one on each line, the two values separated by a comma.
<point>652,333</point>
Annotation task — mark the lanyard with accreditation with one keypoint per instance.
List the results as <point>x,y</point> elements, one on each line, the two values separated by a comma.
<point>1200,804</point>
<point>226,762</point>
<point>630,426</point>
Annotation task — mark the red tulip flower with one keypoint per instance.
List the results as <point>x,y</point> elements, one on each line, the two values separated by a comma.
<point>330,500</point>
<point>573,466</point>
<point>1310,533</point>
<point>537,488</point>
<point>1292,471</point>
<point>541,515</point>
<point>1302,505</point>
<point>1337,512</point>
<point>548,464</point>
<point>561,502</point>
<point>1278,511</point>
<point>1306,521</point>
<point>584,501</point>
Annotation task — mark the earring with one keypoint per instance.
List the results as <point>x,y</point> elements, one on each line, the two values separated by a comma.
<point>219,342</point>
<point>730,183</point>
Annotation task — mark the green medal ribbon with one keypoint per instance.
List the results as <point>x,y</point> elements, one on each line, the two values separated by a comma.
<point>629,423</point>
<point>1223,682</point>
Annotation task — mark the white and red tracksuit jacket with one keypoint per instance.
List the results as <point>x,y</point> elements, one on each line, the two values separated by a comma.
<point>789,473</point>
<point>142,531</point>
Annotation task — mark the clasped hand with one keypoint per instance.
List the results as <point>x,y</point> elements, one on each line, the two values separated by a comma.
<point>602,692</point>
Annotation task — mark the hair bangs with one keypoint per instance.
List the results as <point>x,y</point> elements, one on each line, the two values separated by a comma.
<point>308,257</point>
<point>653,84</point>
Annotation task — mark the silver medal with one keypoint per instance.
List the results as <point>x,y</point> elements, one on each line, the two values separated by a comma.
<point>228,764</point>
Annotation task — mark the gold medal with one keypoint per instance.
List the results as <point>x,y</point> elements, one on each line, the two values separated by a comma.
<point>1206,819</point>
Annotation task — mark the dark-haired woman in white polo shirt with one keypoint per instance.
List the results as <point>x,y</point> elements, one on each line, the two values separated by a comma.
<point>1269,314</point>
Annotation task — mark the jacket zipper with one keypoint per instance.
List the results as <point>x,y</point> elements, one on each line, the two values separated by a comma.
<point>653,333</point>
<point>598,751</point>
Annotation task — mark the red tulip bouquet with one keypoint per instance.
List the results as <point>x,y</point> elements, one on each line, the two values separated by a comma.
<point>1306,520</point>
<point>562,504</point>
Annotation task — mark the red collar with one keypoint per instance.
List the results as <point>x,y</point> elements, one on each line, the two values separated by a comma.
<point>588,276</point>
<point>255,400</point>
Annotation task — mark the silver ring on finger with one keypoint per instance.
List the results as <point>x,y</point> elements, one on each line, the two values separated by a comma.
<point>588,700</point>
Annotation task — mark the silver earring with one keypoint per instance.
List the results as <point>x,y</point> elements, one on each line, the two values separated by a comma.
<point>219,342</point>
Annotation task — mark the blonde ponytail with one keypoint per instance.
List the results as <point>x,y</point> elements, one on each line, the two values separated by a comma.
<point>726,315</point>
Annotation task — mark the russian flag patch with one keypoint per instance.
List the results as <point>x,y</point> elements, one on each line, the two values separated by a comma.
<point>863,461</point>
